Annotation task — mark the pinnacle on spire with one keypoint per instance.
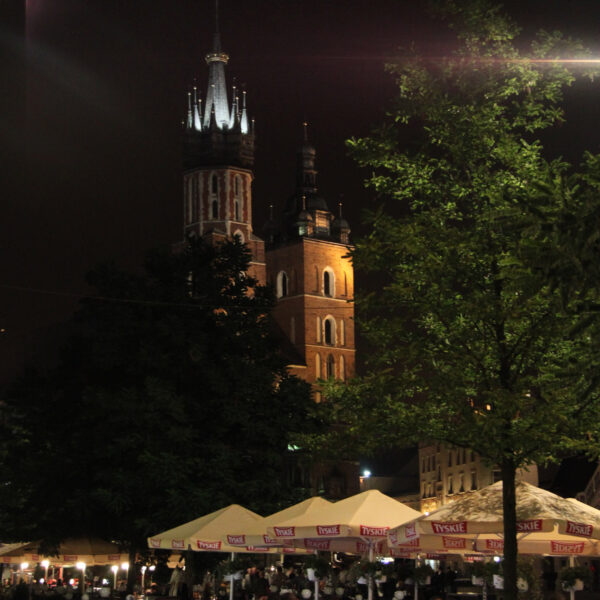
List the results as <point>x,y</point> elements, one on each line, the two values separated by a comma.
<point>303,202</point>
<point>190,121</point>
<point>305,129</point>
<point>271,211</point>
<point>197,104</point>
<point>244,118</point>
<point>340,205</point>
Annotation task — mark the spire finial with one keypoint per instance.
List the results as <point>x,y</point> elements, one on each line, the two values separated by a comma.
<point>217,16</point>
<point>271,211</point>
<point>305,128</point>
<point>340,205</point>
<point>303,202</point>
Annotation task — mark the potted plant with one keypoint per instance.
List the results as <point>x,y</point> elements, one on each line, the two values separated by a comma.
<point>574,578</point>
<point>423,574</point>
<point>316,567</point>
<point>231,569</point>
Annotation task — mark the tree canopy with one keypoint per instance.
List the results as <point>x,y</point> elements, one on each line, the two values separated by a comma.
<point>170,400</point>
<point>472,340</point>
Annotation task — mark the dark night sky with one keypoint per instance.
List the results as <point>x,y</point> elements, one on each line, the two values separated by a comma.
<point>90,125</point>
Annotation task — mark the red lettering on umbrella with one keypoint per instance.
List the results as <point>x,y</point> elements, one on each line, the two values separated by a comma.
<point>328,530</point>
<point>458,527</point>
<point>579,529</point>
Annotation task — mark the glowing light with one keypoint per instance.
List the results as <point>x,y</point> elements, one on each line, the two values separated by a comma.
<point>497,559</point>
<point>114,569</point>
<point>24,565</point>
<point>45,564</point>
<point>144,567</point>
<point>80,566</point>
<point>366,473</point>
<point>125,566</point>
<point>152,567</point>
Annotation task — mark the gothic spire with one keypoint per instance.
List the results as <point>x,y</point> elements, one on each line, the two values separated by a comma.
<point>216,95</point>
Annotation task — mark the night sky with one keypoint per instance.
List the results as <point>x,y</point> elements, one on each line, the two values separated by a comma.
<point>92,101</point>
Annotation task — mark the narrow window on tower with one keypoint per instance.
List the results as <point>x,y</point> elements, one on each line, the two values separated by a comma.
<point>342,332</point>
<point>318,330</point>
<point>215,209</point>
<point>317,365</point>
<point>329,331</point>
<point>342,368</point>
<point>345,284</point>
<point>328,282</point>
<point>330,366</point>
<point>236,208</point>
<point>282,284</point>
<point>237,201</point>
<point>214,185</point>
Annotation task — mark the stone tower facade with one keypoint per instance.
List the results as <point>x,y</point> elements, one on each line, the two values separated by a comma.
<point>308,266</point>
<point>218,162</point>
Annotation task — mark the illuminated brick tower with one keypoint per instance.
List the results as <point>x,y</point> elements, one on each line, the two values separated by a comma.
<point>218,161</point>
<point>308,266</point>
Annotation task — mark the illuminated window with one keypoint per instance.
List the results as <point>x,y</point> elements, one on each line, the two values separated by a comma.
<point>329,331</point>
<point>318,330</point>
<point>317,365</point>
<point>282,284</point>
<point>330,366</point>
<point>342,368</point>
<point>328,282</point>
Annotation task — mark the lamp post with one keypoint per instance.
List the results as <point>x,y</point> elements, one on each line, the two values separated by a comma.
<point>143,576</point>
<point>45,564</point>
<point>81,567</point>
<point>125,567</point>
<point>115,570</point>
<point>24,566</point>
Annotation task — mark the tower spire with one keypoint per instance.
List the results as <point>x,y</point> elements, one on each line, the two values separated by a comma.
<point>217,91</point>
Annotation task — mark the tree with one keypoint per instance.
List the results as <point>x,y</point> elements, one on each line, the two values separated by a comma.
<point>471,343</point>
<point>170,401</point>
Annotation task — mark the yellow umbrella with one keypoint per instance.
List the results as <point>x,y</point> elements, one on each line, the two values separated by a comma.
<point>91,551</point>
<point>255,534</point>
<point>356,524</point>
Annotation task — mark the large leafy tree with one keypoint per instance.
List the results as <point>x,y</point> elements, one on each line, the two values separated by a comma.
<point>170,400</point>
<point>471,342</point>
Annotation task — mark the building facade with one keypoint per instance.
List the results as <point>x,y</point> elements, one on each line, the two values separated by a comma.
<point>304,253</point>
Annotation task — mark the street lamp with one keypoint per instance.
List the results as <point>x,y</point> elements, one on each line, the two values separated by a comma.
<point>24,565</point>
<point>45,564</point>
<point>115,570</point>
<point>125,567</point>
<point>81,567</point>
<point>143,576</point>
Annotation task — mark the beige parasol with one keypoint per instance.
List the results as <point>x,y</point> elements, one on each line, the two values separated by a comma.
<point>546,524</point>
<point>91,551</point>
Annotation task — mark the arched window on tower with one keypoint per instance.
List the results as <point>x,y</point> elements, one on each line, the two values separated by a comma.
<point>282,284</point>
<point>214,185</point>
<point>237,201</point>
<point>328,282</point>
<point>329,331</point>
<point>330,366</point>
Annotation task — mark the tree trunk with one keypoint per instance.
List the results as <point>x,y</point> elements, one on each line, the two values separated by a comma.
<point>509,504</point>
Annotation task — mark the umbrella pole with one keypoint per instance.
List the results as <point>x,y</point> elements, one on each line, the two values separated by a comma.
<point>572,590</point>
<point>231,583</point>
<point>371,576</point>
<point>416,594</point>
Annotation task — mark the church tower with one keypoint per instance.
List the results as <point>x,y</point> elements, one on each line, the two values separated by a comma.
<point>218,162</point>
<point>309,268</point>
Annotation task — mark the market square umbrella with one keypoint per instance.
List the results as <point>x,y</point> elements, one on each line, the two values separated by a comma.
<point>358,524</point>
<point>546,524</point>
